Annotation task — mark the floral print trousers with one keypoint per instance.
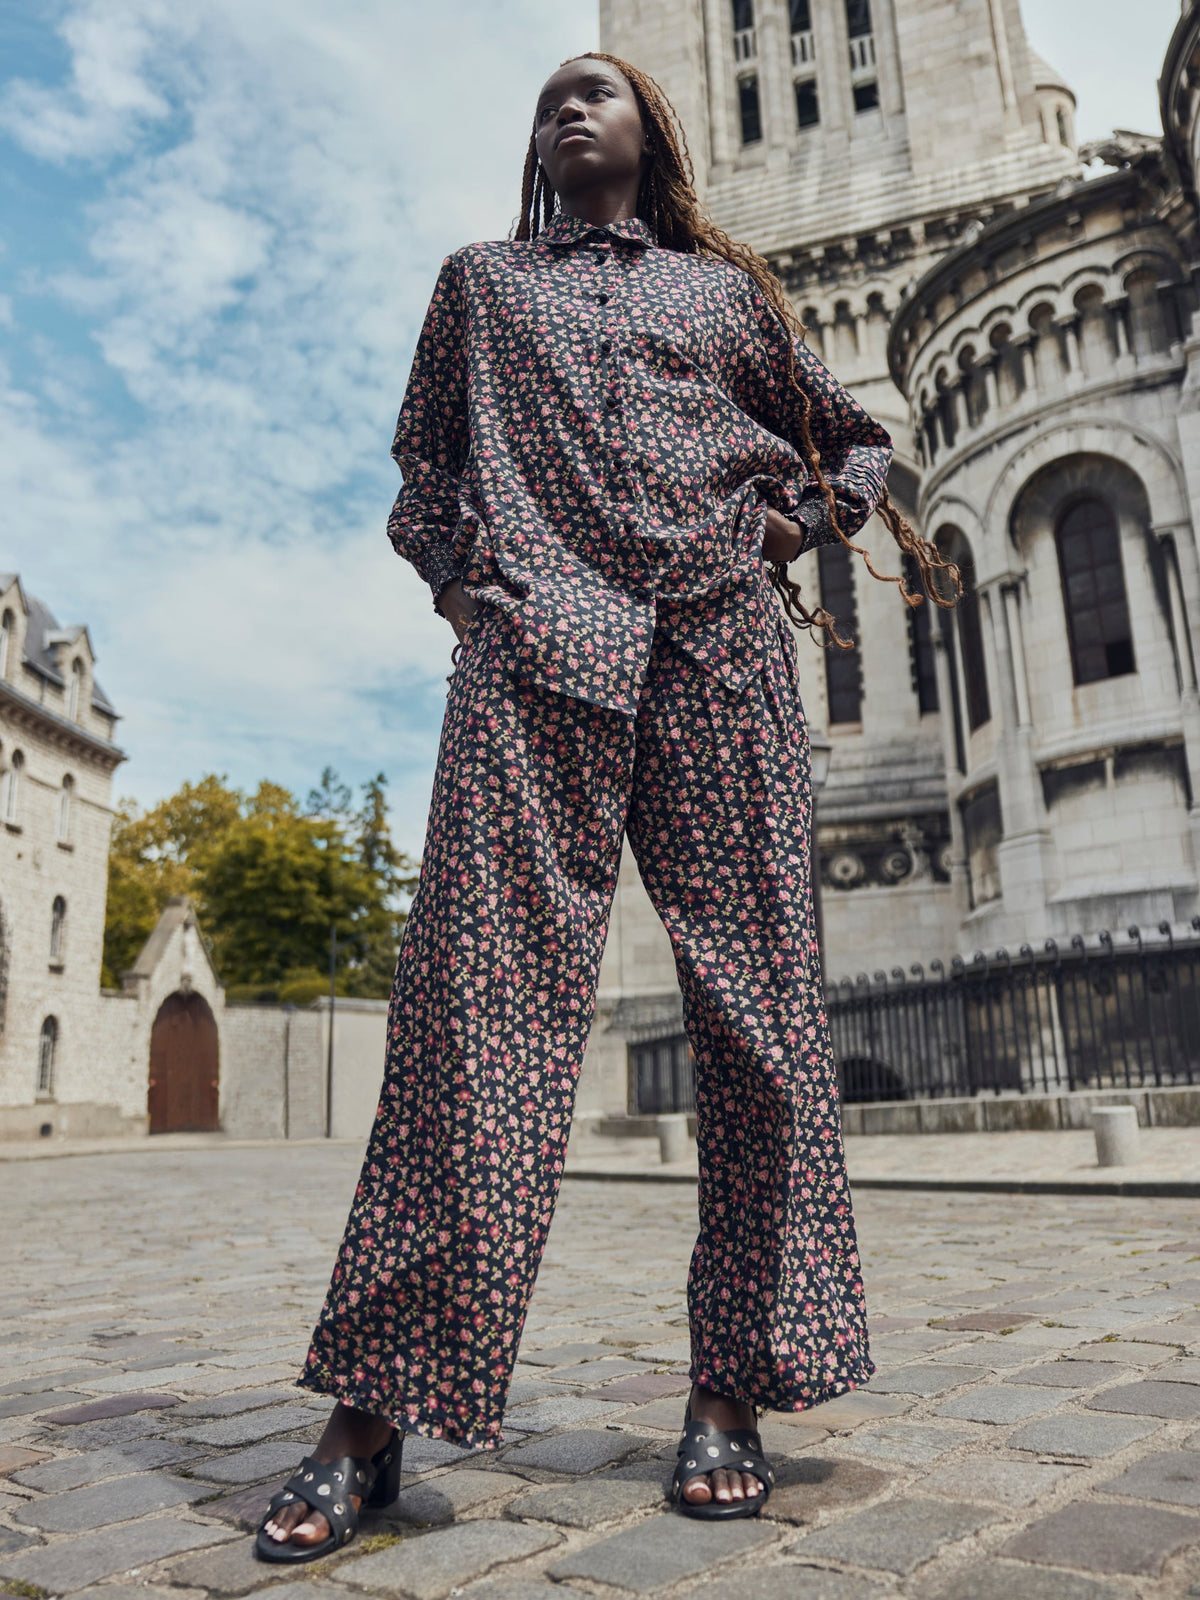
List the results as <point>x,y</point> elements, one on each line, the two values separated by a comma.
<point>490,1014</point>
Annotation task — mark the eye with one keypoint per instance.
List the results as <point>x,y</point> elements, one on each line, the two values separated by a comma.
<point>546,111</point>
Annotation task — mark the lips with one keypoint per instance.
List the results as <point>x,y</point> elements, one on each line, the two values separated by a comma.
<point>571,133</point>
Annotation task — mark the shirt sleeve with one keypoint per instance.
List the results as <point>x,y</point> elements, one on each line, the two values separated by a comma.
<point>432,440</point>
<point>855,451</point>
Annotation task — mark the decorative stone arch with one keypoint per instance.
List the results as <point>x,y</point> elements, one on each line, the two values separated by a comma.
<point>1091,276</point>
<point>1147,456</point>
<point>1160,262</point>
<point>1041,294</point>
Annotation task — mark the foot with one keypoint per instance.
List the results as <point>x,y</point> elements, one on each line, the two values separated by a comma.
<point>347,1433</point>
<point>726,1415</point>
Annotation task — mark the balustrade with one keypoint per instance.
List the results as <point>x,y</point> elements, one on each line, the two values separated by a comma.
<point>804,50</point>
<point>745,44</point>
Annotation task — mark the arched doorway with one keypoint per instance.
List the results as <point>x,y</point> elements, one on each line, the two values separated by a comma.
<point>184,1067</point>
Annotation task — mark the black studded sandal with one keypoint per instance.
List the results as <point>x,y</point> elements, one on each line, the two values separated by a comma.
<point>704,1449</point>
<point>326,1486</point>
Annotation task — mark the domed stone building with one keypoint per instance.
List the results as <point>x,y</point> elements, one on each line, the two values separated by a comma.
<point>1019,314</point>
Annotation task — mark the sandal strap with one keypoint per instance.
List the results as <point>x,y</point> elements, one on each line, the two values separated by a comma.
<point>326,1486</point>
<point>704,1449</point>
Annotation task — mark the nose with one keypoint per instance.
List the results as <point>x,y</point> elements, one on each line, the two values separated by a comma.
<point>570,111</point>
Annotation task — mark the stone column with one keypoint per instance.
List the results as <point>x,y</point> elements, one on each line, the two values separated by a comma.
<point>1119,311</point>
<point>1025,840</point>
<point>991,384</point>
<point>717,50</point>
<point>1016,640</point>
<point>959,877</point>
<point>1070,328</point>
<point>1024,347</point>
<point>774,73</point>
<point>962,414</point>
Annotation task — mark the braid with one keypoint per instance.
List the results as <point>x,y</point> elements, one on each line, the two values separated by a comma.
<point>668,204</point>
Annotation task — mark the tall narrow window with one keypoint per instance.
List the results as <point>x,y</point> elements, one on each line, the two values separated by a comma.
<point>745,42</point>
<point>748,105</point>
<point>808,108</point>
<point>801,16</point>
<point>843,668</point>
<point>970,633</point>
<point>920,643</point>
<point>58,928</point>
<point>866,96</point>
<point>968,624</point>
<point>1093,586</point>
<point>73,693</point>
<point>66,806</point>
<point>858,18</point>
<point>47,1044</point>
<point>7,629</point>
<point>1060,118</point>
<point>10,789</point>
<point>804,51</point>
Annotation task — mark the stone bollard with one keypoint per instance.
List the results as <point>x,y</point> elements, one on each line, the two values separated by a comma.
<point>1116,1129</point>
<point>672,1137</point>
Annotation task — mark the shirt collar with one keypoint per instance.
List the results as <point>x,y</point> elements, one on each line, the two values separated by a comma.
<point>573,230</point>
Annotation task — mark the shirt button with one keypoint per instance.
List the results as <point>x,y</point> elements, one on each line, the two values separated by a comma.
<point>602,299</point>
<point>605,347</point>
<point>629,525</point>
<point>613,402</point>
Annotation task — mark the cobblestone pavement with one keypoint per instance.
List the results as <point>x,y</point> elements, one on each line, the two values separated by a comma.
<point>1033,1433</point>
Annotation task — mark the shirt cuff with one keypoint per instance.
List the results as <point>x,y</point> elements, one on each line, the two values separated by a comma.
<point>813,517</point>
<point>439,568</point>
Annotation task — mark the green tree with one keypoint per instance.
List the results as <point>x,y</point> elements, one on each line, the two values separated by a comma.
<point>269,881</point>
<point>154,855</point>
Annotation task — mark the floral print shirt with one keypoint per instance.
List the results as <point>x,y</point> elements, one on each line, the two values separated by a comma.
<point>592,431</point>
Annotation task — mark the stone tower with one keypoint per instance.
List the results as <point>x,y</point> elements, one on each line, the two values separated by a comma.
<point>854,143</point>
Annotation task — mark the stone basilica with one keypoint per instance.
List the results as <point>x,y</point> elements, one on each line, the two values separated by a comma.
<point>1019,313</point>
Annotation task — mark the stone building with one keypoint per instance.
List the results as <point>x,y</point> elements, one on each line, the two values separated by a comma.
<point>163,1053</point>
<point>1019,315</point>
<point>57,759</point>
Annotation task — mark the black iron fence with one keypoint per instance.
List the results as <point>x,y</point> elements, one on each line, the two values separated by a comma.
<point>1106,1013</point>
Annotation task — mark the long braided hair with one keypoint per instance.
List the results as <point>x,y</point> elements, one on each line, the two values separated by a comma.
<point>667,202</point>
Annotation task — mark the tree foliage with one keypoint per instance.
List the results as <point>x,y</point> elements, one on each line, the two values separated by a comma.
<point>269,879</point>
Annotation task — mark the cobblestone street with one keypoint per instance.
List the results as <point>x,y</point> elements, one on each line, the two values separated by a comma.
<point>1033,1432</point>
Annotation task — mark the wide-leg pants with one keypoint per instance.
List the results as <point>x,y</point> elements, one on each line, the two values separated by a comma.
<point>490,1015</point>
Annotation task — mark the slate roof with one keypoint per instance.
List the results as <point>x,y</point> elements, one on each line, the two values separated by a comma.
<point>42,635</point>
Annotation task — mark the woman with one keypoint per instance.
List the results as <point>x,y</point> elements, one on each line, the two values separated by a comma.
<point>609,427</point>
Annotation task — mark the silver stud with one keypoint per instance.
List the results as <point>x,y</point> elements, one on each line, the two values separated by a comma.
<point>289,1497</point>
<point>691,1463</point>
<point>323,1489</point>
<point>338,1510</point>
<point>387,1460</point>
<point>362,1477</point>
<point>338,1476</point>
<point>713,1451</point>
<point>308,1477</point>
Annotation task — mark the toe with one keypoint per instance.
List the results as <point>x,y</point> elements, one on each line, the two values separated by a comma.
<point>721,1486</point>
<point>698,1492</point>
<point>751,1485</point>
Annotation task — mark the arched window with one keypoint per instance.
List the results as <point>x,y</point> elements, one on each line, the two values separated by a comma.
<point>8,627</point>
<point>1061,119</point>
<point>1093,586</point>
<point>74,690</point>
<point>47,1044</point>
<point>58,928</point>
<point>10,789</point>
<point>66,807</point>
<point>843,668</point>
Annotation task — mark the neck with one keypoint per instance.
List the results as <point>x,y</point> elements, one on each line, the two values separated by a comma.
<point>600,206</point>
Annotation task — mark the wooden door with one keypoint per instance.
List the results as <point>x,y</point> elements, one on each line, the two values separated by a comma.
<point>184,1067</point>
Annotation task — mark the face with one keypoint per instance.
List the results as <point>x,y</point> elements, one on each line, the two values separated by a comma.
<point>588,129</point>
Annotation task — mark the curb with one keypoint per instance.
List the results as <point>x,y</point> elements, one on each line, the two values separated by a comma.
<point>1130,1188</point>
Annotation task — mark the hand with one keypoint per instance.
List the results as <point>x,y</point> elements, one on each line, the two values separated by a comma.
<point>458,606</point>
<point>782,538</point>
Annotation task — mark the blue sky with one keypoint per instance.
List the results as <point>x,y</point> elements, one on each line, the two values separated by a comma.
<point>219,227</point>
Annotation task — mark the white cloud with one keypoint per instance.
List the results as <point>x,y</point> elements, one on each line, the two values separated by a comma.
<point>274,187</point>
